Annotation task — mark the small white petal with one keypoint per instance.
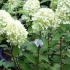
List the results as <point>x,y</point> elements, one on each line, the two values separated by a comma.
<point>38,42</point>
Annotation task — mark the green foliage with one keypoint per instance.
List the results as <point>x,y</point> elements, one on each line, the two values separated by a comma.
<point>6,64</point>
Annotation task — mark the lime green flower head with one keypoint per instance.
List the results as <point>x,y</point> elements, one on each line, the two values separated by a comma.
<point>44,18</point>
<point>15,32</point>
<point>63,10</point>
<point>31,6</point>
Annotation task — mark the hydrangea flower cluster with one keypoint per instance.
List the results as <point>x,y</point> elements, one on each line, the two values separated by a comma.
<point>63,10</point>
<point>42,19</point>
<point>12,6</point>
<point>31,6</point>
<point>14,30</point>
<point>14,3</point>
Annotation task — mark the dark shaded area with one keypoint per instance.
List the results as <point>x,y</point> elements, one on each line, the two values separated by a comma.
<point>1,4</point>
<point>47,3</point>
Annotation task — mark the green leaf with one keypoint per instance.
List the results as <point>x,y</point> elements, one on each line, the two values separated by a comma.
<point>15,51</point>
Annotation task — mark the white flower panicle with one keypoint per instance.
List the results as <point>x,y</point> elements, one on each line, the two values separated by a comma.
<point>31,6</point>
<point>4,16</point>
<point>62,3</point>
<point>63,10</point>
<point>14,3</point>
<point>44,18</point>
<point>15,31</point>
